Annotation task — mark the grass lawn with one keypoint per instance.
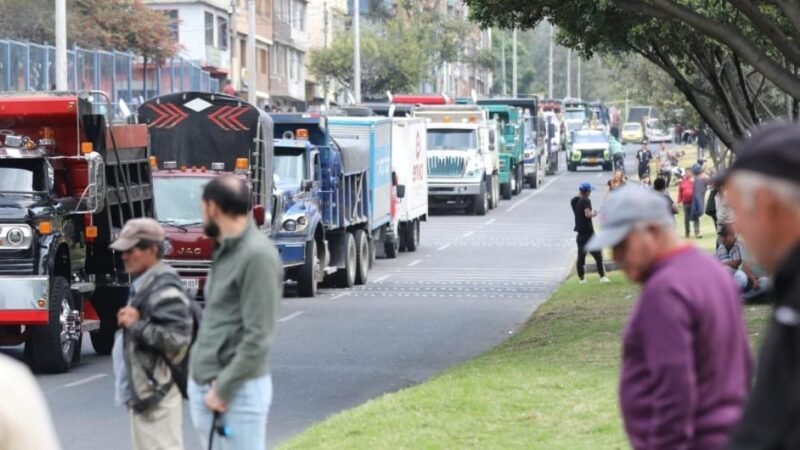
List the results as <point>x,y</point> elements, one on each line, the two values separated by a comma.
<point>551,386</point>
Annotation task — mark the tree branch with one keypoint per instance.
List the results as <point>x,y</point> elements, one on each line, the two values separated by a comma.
<point>769,28</point>
<point>790,8</point>
<point>744,83</point>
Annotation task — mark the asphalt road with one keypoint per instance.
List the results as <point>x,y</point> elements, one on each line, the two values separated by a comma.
<point>471,284</point>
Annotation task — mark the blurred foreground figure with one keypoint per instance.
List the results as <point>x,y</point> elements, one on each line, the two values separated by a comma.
<point>25,422</point>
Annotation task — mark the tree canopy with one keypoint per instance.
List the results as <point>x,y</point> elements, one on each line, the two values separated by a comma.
<point>124,25</point>
<point>733,60</point>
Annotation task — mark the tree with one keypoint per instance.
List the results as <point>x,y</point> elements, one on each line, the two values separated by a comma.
<point>124,25</point>
<point>730,59</point>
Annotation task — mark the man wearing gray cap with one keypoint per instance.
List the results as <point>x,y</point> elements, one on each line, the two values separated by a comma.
<point>686,361</point>
<point>154,336</point>
<point>763,189</point>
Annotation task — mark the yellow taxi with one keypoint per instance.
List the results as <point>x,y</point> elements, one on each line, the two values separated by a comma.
<point>632,132</point>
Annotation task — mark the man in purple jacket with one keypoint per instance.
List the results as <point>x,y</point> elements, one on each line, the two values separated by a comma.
<point>686,362</point>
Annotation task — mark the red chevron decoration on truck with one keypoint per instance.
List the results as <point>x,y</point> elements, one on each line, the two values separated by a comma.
<point>169,115</point>
<point>227,117</point>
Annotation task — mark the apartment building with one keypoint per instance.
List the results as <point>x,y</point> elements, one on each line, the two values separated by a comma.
<point>325,20</point>
<point>288,53</point>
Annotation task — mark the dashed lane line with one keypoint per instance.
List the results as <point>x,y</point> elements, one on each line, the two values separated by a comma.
<point>490,221</point>
<point>468,234</point>
<point>381,279</point>
<point>442,247</point>
<point>338,296</point>
<point>86,380</point>
<point>414,263</point>
<point>291,316</point>
<point>541,189</point>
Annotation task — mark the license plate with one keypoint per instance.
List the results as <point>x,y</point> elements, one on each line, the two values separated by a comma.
<point>191,283</point>
<point>592,160</point>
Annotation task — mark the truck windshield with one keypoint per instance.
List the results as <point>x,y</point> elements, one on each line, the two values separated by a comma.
<point>22,176</point>
<point>444,139</point>
<point>593,138</point>
<point>178,199</point>
<point>575,115</point>
<point>289,166</point>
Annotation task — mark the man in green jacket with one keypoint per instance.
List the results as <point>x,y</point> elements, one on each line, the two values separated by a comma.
<point>228,363</point>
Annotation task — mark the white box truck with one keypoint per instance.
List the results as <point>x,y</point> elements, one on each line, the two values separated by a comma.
<point>410,167</point>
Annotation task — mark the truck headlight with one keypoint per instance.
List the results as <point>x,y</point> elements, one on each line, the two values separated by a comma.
<point>290,225</point>
<point>15,237</point>
<point>473,168</point>
<point>606,155</point>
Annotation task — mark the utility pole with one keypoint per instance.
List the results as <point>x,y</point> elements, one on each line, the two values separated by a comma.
<point>251,51</point>
<point>61,45</point>
<point>579,77</point>
<point>514,63</point>
<point>569,72</point>
<point>233,43</point>
<point>550,65</point>
<point>357,50</point>
<point>503,58</point>
<point>325,100</point>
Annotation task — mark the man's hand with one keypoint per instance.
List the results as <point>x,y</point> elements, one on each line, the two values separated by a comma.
<point>128,316</point>
<point>213,401</point>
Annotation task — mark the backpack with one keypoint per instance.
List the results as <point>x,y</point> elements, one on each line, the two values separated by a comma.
<point>180,372</point>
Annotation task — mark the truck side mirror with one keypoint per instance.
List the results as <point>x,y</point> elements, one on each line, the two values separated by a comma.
<point>259,214</point>
<point>401,191</point>
<point>307,185</point>
<point>92,198</point>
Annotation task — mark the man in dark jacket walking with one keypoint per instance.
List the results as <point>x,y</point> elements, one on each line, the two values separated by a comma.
<point>155,334</point>
<point>685,356</point>
<point>229,361</point>
<point>583,211</point>
<point>763,189</point>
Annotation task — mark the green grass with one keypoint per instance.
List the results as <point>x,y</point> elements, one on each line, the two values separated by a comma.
<point>551,386</point>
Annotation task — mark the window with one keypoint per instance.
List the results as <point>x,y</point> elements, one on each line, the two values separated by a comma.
<point>243,52</point>
<point>172,21</point>
<point>262,60</point>
<point>222,33</point>
<point>209,29</point>
<point>299,15</point>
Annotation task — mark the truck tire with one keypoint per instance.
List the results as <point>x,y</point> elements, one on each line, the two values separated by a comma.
<point>481,202</point>
<point>570,167</point>
<point>362,257</point>
<point>53,346</point>
<point>391,248</point>
<point>496,190</point>
<point>345,277</point>
<point>505,190</point>
<point>534,179</point>
<point>307,273</point>
<point>518,180</point>
<point>412,236</point>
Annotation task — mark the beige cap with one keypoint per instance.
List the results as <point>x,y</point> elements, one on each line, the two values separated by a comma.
<point>136,230</point>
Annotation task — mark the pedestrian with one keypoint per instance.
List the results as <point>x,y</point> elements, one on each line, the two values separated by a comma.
<point>664,160</point>
<point>643,157</point>
<point>685,357</point>
<point>583,211</point>
<point>25,421</point>
<point>685,198</point>
<point>154,336</point>
<point>660,186</point>
<point>763,190</point>
<point>231,381</point>
<point>615,182</point>
<point>699,187</point>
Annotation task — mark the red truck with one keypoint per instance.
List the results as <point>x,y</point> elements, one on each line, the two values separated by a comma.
<point>196,136</point>
<point>69,180</point>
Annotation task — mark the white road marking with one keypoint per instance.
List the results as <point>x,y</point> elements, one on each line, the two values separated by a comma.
<point>414,263</point>
<point>85,380</point>
<point>383,278</point>
<point>468,234</point>
<point>542,188</point>
<point>442,247</point>
<point>291,316</point>
<point>338,296</point>
<point>490,221</point>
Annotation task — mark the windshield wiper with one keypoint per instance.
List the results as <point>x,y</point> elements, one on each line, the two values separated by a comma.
<point>175,224</point>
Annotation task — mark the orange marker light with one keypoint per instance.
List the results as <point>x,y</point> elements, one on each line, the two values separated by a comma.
<point>45,227</point>
<point>87,147</point>
<point>153,162</point>
<point>301,133</point>
<point>91,232</point>
<point>242,164</point>
<point>47,133</point>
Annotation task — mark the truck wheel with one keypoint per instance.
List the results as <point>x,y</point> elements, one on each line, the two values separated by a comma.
<point>517,186</point>
<point>53,346</point>
<point>505,190</point>
<point>570,167</point>
<point>362,257</point>
<point>412,236</point>
<point>534,179</point>
<point>496,190</point>
<point>307,273</point>
<point>345,277</point>
<point>391,249</point>
<point>481,202</point>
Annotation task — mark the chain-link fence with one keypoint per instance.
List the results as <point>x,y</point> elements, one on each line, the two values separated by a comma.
<point>31,67</point>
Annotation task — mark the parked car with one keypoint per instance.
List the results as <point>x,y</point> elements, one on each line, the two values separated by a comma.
<point>656,132</point>
<point>632,132</point>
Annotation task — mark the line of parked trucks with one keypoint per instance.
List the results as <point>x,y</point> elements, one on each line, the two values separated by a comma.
<point>333,191</point>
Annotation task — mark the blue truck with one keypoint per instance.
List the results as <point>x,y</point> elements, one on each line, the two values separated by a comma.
<point>325,222</point>
<point>374,135</point>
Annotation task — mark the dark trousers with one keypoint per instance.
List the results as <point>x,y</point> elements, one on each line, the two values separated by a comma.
<point>644,170</point>
<point>582,240</point>
<point>687,219</point>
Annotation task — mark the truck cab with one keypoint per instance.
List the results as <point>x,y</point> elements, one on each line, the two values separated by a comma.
<point>463,161</point>
<point>69,180</point>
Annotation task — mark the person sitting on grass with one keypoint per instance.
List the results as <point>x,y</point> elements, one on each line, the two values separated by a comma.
<point>749,277</point>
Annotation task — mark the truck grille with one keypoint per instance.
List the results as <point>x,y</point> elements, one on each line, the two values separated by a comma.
<point>446,166</point>
<point>190,267</point>
<point>592,153</point>
<point>17,266</point>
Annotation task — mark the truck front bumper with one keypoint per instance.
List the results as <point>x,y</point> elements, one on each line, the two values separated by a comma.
<point>454,189</point>
<point>293,253</point>
<point>24,300</point>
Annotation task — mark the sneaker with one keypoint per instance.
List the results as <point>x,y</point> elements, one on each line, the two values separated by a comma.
<point>583,281</point>
<point>605,280</point>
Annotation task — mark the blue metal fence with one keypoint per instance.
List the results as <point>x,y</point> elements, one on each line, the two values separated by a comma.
<point>31,67</point>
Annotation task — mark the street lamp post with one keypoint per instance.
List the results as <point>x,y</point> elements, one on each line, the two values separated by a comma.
<point>251,52</point>
<point>357,51</point>
<point>61,45</point>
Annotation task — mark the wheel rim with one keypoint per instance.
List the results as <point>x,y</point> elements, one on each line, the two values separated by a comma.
<point>68,320</point>
<point>364,260</point>
<point>416,234</point>
<point>351,266</point>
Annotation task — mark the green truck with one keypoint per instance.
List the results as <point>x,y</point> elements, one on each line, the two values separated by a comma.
<point>512,153</point>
